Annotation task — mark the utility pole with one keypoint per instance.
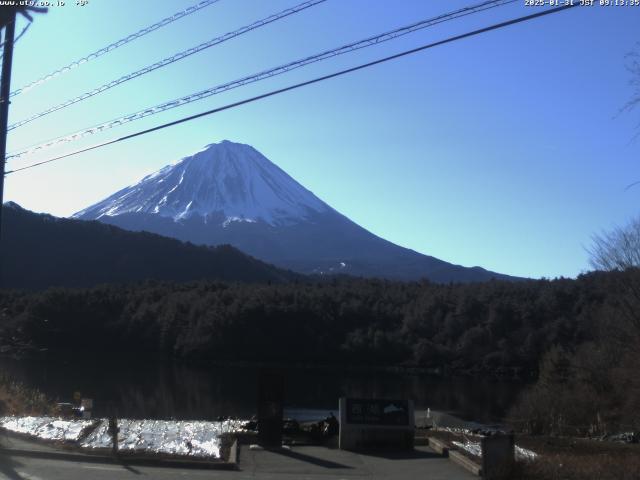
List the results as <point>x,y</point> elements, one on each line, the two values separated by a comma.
<point>5,91</point>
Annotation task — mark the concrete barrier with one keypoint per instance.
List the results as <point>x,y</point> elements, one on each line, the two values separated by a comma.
<point>439,446</point>
<point>465,462</point>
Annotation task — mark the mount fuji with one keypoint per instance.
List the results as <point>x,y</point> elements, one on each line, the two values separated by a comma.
<point>229,193</point>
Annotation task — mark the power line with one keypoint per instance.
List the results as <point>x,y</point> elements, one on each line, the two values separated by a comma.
<point>123,41</point>
<point>374,40</point>
<point>25,11</point>
<point>173,58</point>
<point>303,84</point>
<point>24,30</point>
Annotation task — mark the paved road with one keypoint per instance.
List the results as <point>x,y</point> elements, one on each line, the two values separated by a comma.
<point>300,463</point>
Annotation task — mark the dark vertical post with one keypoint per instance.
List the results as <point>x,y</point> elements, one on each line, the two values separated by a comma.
<point>5,91</point>
<point>113,432</point>
<point>270,408</point>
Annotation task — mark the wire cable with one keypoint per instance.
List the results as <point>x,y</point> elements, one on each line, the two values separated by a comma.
<point>171,59</point>
<point>302,84</point>
<point>374,40</point>
<point>24,30</point>
<point>123,41</point>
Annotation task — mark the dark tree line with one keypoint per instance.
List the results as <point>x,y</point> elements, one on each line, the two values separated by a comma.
<point>494,327</point>
<point>593,388</point>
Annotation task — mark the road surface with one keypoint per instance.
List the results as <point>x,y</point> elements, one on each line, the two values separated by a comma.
<point>300,463</point>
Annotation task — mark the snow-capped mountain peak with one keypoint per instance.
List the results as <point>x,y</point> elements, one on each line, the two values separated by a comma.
<point>227,178</point>
<point>229,193</point>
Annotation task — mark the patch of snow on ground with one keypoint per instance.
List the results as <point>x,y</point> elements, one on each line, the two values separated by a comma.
<point>189,438</point>
<point>192,438</point>
<point>474,448</point>
<point>525,454</point>
<point>46,428</point>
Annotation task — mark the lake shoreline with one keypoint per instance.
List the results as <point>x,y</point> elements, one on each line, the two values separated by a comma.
<point>513,374</point>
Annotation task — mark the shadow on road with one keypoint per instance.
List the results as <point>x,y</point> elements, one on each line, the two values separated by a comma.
<point>309,459</point>
<point>130,468</point>
<point>8,468</point>
<point>401,454</point>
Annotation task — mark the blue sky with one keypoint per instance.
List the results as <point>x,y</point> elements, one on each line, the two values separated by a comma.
<point>505,150</point>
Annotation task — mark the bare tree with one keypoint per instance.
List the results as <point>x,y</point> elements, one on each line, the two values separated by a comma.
<point>633,66</point>
<point>618,249</point>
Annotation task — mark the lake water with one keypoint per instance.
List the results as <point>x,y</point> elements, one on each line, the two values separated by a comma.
<point>133,388</point>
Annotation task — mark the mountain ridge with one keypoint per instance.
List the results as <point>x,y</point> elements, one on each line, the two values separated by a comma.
<point>231,193</point>
<point>40,251</point>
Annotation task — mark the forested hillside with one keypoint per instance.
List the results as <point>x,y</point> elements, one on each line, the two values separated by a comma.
<point>495,327</point>
<point>40,251</point>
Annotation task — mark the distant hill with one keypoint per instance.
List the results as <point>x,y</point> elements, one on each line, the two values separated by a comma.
<point>40,251</point>
<point>229,193</point>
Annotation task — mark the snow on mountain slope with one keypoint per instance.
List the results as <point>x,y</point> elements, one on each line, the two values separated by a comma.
<point>226,178</point>
<point>229,193</point>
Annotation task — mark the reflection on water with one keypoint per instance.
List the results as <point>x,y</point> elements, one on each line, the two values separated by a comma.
<point>142,389</point>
